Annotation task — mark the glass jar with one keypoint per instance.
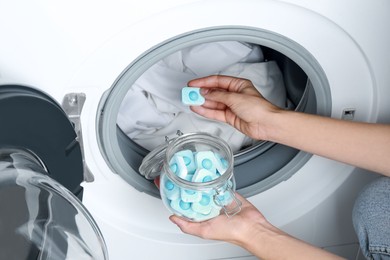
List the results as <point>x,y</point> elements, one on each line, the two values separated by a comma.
<point>196,176</point>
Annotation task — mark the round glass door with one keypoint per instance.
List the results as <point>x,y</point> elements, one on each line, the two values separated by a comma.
<point>39,218</point>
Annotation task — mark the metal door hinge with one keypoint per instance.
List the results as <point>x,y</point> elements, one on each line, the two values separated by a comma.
<point>73,104</point>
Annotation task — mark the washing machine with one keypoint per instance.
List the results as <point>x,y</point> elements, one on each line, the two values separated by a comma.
<point>65,68</point>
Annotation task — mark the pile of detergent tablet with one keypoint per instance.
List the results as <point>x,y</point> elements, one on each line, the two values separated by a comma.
<point>197,167</point>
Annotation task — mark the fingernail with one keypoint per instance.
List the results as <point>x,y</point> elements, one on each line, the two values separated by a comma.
<point>176,220</point>
<point>157,181</point>
<point>204,91</point>
<point>173,219</point>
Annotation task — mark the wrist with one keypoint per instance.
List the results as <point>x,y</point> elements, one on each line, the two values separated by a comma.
<point>267,242</point>
<point>262,239</point>
<point>272,124</point>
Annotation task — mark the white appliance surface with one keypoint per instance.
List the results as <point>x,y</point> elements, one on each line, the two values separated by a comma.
<point>83,46</point>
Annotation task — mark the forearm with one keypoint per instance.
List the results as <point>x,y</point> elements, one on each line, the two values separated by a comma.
<point>361,144</point>
<point>269,243</point>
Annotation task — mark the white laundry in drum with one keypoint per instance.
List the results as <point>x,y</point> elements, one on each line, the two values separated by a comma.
<point>153,109</point>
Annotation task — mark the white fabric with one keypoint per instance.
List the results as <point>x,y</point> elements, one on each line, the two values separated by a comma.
<point>265,76</point>
<point>152,108</point>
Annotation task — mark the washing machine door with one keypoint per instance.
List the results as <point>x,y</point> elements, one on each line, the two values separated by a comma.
<point>33,121</point>
<point>41,169</point>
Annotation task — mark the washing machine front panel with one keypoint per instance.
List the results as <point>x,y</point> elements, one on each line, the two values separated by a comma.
<point>347,71</point>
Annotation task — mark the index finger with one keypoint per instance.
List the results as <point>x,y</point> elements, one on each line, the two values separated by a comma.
<point>219,81</point>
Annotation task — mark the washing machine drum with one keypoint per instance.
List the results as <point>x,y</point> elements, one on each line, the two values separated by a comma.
<point>40,163</point>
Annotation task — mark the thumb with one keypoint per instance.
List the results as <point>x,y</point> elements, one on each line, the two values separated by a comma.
<point>181,223</point>
<point>177,220</point>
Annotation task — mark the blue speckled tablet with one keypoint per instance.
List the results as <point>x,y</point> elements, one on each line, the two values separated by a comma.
<point>191,96</point>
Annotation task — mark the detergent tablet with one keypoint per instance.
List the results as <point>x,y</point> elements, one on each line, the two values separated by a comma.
<point>189,160</point>
<point>191,96</point>
<point>204,206</point>
<point>188,195</point>
<point>178,166</point>
<point>206,160</point>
